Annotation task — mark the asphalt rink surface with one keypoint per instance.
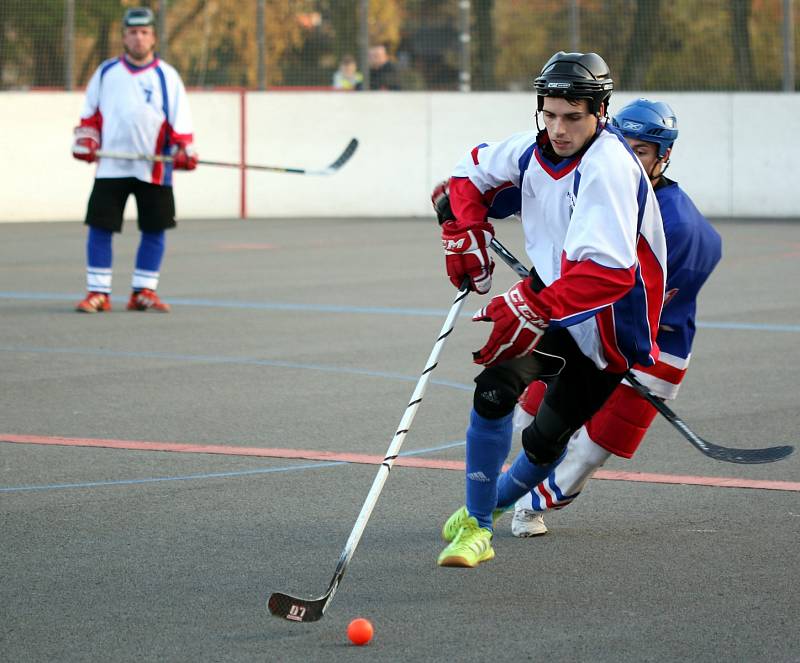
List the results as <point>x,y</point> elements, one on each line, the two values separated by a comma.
<point>136,528</point>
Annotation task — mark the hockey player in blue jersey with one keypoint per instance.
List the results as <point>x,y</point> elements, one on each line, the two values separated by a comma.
<point>693,251</point>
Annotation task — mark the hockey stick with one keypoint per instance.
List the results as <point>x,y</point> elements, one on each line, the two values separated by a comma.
<point>727,454</point>
<point>342,159</point>
<point>715,451</point>
<point>311,610</point>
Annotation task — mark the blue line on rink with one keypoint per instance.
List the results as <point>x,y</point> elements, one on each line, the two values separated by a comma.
<point>370,310</point>
<point>210,475</point>
<point>213,359</point>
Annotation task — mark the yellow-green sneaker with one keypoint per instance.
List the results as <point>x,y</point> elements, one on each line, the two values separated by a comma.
<point>471,546</point>
<point>456,521</point>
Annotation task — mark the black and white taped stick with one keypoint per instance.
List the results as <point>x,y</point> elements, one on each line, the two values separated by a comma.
<point>715,451</point>
<point>311,610</point>
<point>342,159</point>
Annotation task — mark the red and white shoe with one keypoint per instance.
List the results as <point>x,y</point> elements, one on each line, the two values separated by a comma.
<point>147,300</point>
<point>94,302</point>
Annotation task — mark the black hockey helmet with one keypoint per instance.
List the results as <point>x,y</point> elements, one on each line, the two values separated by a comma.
<point>575,76</point>
<point>138,17</point>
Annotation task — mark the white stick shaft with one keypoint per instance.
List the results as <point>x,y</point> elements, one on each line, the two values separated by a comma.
<point>130,156</point>
<point>397,442</point>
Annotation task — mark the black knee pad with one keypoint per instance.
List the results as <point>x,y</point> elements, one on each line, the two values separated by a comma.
<point>547,436</point>
<point>495,396</point>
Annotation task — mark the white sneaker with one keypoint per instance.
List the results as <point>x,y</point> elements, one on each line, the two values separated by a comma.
<point>527,523</point>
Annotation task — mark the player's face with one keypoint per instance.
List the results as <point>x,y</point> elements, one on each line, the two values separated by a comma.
<point>139,43</point>
<point>569,126</point>
<point>648,155</point>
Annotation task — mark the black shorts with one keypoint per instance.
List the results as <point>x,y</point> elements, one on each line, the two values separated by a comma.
<point>155,204</point>
<point>576,387</point>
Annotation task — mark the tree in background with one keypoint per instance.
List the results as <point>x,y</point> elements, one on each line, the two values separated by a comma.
<point>31,45</point>
<point>215,41</point>
<point>430,45</point>
<point>649,45</point>
<point>644,40</point>
<point>483,45</point>
<point>740,43</point>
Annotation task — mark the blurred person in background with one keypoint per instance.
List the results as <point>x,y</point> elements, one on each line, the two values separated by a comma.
<point>347,76</point>
<point>587,312</point>
<point>135,103</point>
<point>693,250</point>
<point>382,71</point>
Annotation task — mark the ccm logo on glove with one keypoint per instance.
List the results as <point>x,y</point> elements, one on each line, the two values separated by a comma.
<point>516,326</point>
<point>467,255</point>
<point>453,244</point>
<point>518,299</point>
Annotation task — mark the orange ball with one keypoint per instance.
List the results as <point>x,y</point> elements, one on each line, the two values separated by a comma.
<point>360,631</point>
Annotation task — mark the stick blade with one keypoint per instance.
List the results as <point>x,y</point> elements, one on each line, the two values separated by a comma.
<point>344,157</point>
<point>295,609</point>
<point>747,456</point>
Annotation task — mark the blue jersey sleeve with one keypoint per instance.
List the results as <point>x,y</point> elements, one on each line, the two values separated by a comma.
<point>693,250</point>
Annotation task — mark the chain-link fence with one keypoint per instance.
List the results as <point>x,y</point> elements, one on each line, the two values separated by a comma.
<point>430,44</point>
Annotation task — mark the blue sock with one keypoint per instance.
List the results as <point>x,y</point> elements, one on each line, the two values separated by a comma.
<point>488,444</point>
<point>151,251</point>
<point>520,478</point>
<point>99,248</point>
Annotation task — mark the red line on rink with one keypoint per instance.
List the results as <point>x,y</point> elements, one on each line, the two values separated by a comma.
<point>225,450</point>
<point>371,459</point>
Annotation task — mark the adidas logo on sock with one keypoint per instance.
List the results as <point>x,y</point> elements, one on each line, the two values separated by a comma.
<point>491,396</point>
<point>478,476</point>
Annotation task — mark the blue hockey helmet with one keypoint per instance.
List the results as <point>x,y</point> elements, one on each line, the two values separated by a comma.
<point>650,121</point>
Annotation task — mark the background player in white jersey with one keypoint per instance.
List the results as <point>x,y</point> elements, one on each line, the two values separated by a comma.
<point>591,308</point>
<point>134,103</point>
<point>693,250</point>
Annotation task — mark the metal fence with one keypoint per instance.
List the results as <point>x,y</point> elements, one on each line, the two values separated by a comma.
<point>431,44</point>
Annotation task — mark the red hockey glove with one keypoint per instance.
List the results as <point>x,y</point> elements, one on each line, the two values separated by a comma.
<point>440,199</point>
<point>517,326</point>
<point>86,143</point>
<point>466,255</point>
<point>184,157</point>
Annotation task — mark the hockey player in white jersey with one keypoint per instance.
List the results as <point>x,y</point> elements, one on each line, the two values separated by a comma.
<point>588,312</point>
<point>693,250</point>
<point>135,103</point>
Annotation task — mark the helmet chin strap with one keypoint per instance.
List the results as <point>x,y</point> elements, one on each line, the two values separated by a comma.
<point>664,166</point>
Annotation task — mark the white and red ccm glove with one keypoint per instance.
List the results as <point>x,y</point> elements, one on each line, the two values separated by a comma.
<point>517,327</point>
<point>184,156</point>
<point>86,142</point>
<point>465,245</point>
<point>466,254</point>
